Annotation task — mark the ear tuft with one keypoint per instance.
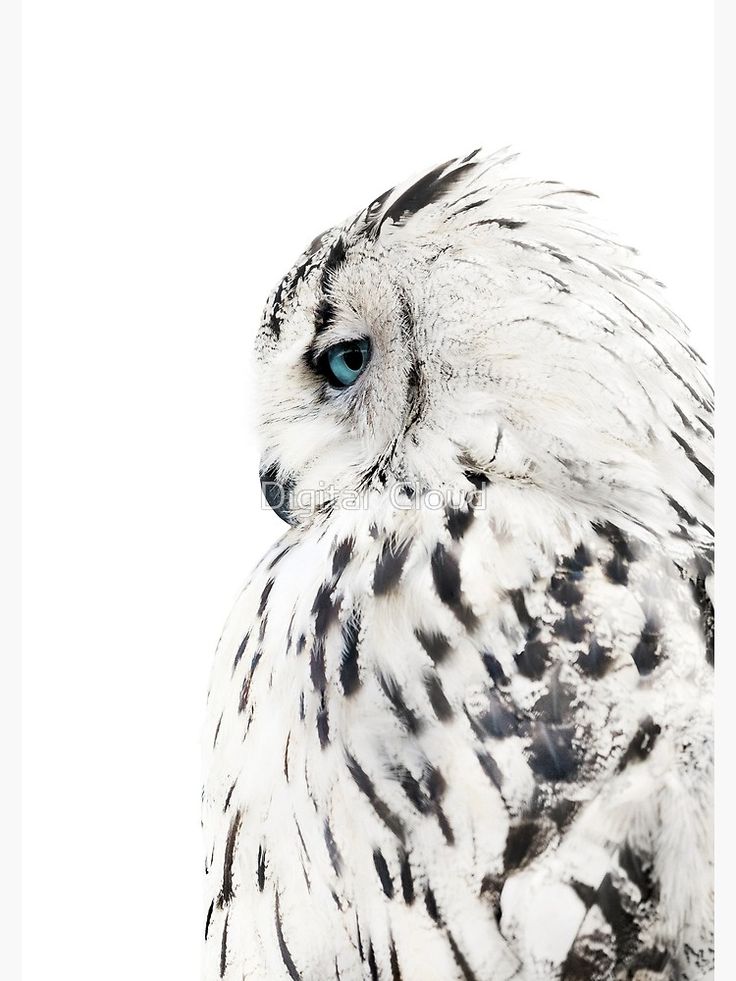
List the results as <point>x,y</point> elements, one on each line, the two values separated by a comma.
<point>397,206</point>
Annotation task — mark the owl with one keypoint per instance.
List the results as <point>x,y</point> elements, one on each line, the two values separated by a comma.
<point>459,723</point>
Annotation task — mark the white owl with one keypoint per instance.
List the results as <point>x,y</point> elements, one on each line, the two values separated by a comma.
<point>459,724</point>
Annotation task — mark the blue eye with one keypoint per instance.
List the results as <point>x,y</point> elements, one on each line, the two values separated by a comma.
<point>344,363</point>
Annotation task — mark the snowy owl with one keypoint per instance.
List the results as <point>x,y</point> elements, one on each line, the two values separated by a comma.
<point>459,723</point>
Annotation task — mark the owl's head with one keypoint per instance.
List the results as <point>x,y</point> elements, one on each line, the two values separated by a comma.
<point>472,327</point>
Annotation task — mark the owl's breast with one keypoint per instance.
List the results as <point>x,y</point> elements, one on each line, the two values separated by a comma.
<point>415,722</point>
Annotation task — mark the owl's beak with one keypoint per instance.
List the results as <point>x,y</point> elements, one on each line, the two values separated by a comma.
<point>277,492</point>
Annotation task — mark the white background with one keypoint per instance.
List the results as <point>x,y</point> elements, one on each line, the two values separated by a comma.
<point>178,156</point>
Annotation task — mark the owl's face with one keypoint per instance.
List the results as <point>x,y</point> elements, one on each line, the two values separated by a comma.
<point>459,331</point>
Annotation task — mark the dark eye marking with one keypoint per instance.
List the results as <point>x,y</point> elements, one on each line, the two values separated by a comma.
<point>324,314</point>
<point>334,260</point>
